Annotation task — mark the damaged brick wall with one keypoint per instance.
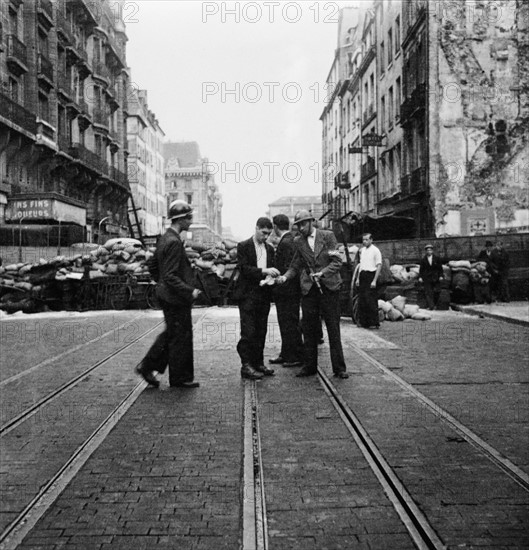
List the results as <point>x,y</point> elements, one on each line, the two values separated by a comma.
<point>485,45</point>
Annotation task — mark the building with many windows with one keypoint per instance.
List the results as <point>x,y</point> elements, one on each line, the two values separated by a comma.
<point>146,165</point>
<point>434,117</point>
<point>188,177</point>
<point>63,105</point>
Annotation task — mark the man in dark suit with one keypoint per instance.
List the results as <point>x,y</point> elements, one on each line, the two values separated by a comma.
<point>287,298</point>
<point>431,273</point>
<point>501,261</point>
<point>317,262</point>
<point>176,292</point>
<point>255,260</point>
<point>488,290</point>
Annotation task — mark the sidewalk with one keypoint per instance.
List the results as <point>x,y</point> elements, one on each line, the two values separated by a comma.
<point>512,312</point>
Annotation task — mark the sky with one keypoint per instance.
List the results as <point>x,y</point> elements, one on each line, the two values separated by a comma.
<point>246,80</point>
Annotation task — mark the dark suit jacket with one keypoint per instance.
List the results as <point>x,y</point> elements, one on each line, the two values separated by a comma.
<point>249,274</point>
<point>176,278</point>
<point>431,273</point>
<point>492,268</point>
<point>325,258</point>
<point>283,258</point>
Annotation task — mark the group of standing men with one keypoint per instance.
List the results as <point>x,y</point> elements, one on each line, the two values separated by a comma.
<point>303,269</point>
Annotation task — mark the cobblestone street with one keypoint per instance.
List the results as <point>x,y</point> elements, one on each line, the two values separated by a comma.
<point>444,402</point>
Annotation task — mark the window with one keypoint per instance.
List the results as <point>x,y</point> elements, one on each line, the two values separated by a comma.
<point>383,114</point>
<point>13,89</point>
<point>13,21</point>
<point>372,89</point>
<point>390,46</point>
<point>382,54</point>
<point>397,98</point>
<point>390,107</point>
<point>397,34</point>
<point>44,107</point>
<point>43,43</point>
<point>189,198</point>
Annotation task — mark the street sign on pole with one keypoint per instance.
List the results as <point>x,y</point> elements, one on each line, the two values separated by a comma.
<point>355,150</point>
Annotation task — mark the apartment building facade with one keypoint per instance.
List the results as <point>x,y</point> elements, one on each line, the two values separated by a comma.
<point>446,145</point>
<point>145,164</point>
<point>63,107</point>
<point>188,177</point>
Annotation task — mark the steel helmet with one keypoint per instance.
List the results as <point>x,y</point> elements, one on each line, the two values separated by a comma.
<point>179,209</point>
<point>303,216</point>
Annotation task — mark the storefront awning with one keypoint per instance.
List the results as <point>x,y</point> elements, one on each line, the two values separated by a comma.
<point>45,208</point>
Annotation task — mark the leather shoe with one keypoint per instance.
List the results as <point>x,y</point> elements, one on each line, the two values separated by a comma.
<point>304,372</point>
<point>288,364</point>
<point>191,384</point>
<point>341,374</point>
<point>276,360</point>
<point>249,372</point>
<point>321,341</point>
<point>267,371</point>
<point>148,376</point>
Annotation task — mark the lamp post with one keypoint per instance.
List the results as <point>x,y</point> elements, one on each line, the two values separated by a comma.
<point>99,229</point>
<point>20,239</point>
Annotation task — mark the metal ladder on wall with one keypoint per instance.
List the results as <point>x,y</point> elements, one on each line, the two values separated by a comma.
<point>134,222</point>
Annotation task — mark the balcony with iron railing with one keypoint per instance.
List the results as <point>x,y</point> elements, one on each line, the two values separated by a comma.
<point>64,27</point>
<point>368,169</point>
<point>100,117</point>
<point>65,142</point>
<point>418,180</point>
<point>119,177</point>
<point>17,55</point>
<point>17,114</point>
<point>101,72</point>
<point>45,13</point>
<point>88,158</point>
<point>64,83</point>
<point>45,69</point>
<point>88,11</point>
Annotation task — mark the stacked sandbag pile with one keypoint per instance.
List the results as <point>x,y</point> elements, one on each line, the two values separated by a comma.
<point>31,280</point>
<point>479,274</point>
<point>405,274</point>
<point>116,257</point>
<point>460,285</point>
<point>398,310</point>
<point>21,283</point>
<point>220,258</point>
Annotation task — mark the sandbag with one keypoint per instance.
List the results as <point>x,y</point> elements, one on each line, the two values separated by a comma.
<point>410,310</point>
<point>459,263</point>
<point>384,306</point>
<point>421,316</point>
<point>398,303</point>
<point>394,315</point>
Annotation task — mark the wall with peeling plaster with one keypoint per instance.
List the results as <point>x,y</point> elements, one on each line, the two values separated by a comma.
<point>480,97</point>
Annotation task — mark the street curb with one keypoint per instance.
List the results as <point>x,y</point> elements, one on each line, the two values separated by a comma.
<point>479,313</point>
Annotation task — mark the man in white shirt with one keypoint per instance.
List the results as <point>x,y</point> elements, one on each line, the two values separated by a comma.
<point>369,270</point>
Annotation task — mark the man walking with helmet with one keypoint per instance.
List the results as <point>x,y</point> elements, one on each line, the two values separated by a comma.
<point>175,290</point>
<point>318,263</point>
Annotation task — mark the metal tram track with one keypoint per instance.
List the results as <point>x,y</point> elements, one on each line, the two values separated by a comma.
<point>74,349</point>
<point>33,409</point>
<point>416,523</point>
<point>254,534</point>
<point>496,457</point>
<point>254,528</point>
<point>17,530</point>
